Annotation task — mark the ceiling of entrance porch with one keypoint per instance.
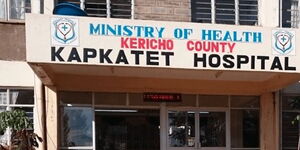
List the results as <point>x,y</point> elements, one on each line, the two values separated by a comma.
<point>160,73</point>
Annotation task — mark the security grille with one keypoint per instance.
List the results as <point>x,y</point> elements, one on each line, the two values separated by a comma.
<point>225,11</point>
<point>201,11</point>
<point>105,8</point>
<point>243,12</point>
<point>248,10</point>
<point>290,13</point>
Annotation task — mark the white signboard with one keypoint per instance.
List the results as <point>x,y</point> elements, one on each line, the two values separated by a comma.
<point>137,43</point>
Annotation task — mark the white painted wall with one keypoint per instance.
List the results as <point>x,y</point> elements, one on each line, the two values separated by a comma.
<point>48,6</point>
<point>15,73</point>
<point>36,6</point>
<point>268,13</point>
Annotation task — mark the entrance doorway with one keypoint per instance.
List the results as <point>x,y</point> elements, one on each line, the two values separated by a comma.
<point>132,129</point>
<point>200,130</point>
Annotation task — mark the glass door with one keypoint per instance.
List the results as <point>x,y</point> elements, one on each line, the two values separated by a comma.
<point>200,130</point>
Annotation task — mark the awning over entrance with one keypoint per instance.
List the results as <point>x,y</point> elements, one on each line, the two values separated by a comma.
<point>99,54</point>
<point>130,79</point>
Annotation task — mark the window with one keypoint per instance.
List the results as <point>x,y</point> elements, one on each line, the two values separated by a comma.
<point>242,12</point>
<point>290,13</point>
<point>105,8</point>
<point>109,121</point>
<point>11,99</point>
<point>74,121</point>
<point>14,9</point>
<point>290,127</point>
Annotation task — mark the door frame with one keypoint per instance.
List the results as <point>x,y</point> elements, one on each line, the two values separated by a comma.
<point>197,119</point>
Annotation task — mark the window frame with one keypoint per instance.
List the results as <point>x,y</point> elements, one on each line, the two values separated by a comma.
<point>163,108</point>
<point>8,106</point>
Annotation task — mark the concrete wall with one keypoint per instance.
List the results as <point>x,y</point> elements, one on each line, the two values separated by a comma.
<point>16,73</point>
<point>269,121</point>
<point>12,45</point>
<point>268,13</point>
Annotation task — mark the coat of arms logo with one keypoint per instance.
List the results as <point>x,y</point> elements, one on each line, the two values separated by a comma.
<point>283,42</point>
<point>64,31</point>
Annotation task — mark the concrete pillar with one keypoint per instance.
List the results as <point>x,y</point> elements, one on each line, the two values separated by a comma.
<point>268,13</point>
<point>39,112</point>
<point>36,6</point>
<point>48,6</point>
<point>52,118</point>
<point>269,121</point>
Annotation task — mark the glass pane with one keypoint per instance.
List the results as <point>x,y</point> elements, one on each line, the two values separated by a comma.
<point>96,8</point>
<point>120,9</point>
<point>187,100</point>
<point>77,126</point>
<point>17,9</point>
<point>76,2</point>
<point>74,149</point>
<point>127,129</point>
<point>75,98</point>
<point>245,101</point>
<point>213,101</point>
<point>212,129</point>
<point>2,137</point>
<point>225,11</point>
<point>2,108</point>
<point>28,110</point>
<point>3,96</point>
<point>290,130</point>
<point>291,103</point>
<point>110,99</point>
<point>245,128</point>
<point>290,13</point>
<point>2,9</point>
<point>21,96</point>
<point>245,149</point>
<point>201,11</point>
<point>28,6</point>
<point>181,129</point>
<point>248,12</point>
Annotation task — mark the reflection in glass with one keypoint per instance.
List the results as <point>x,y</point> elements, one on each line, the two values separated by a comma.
<point>181,129</point>
<point>290,102</point>
<point>18,8</point>
<point>21,96</point>
<point>290,130</point>
<point>212,129</point>
<point>3,96</point>
<point>28,110</point>
<point>2,9</point>
<point>67,97</point>
<point>77,126</point>
<point>244,128</point>
<point>244,101</point>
